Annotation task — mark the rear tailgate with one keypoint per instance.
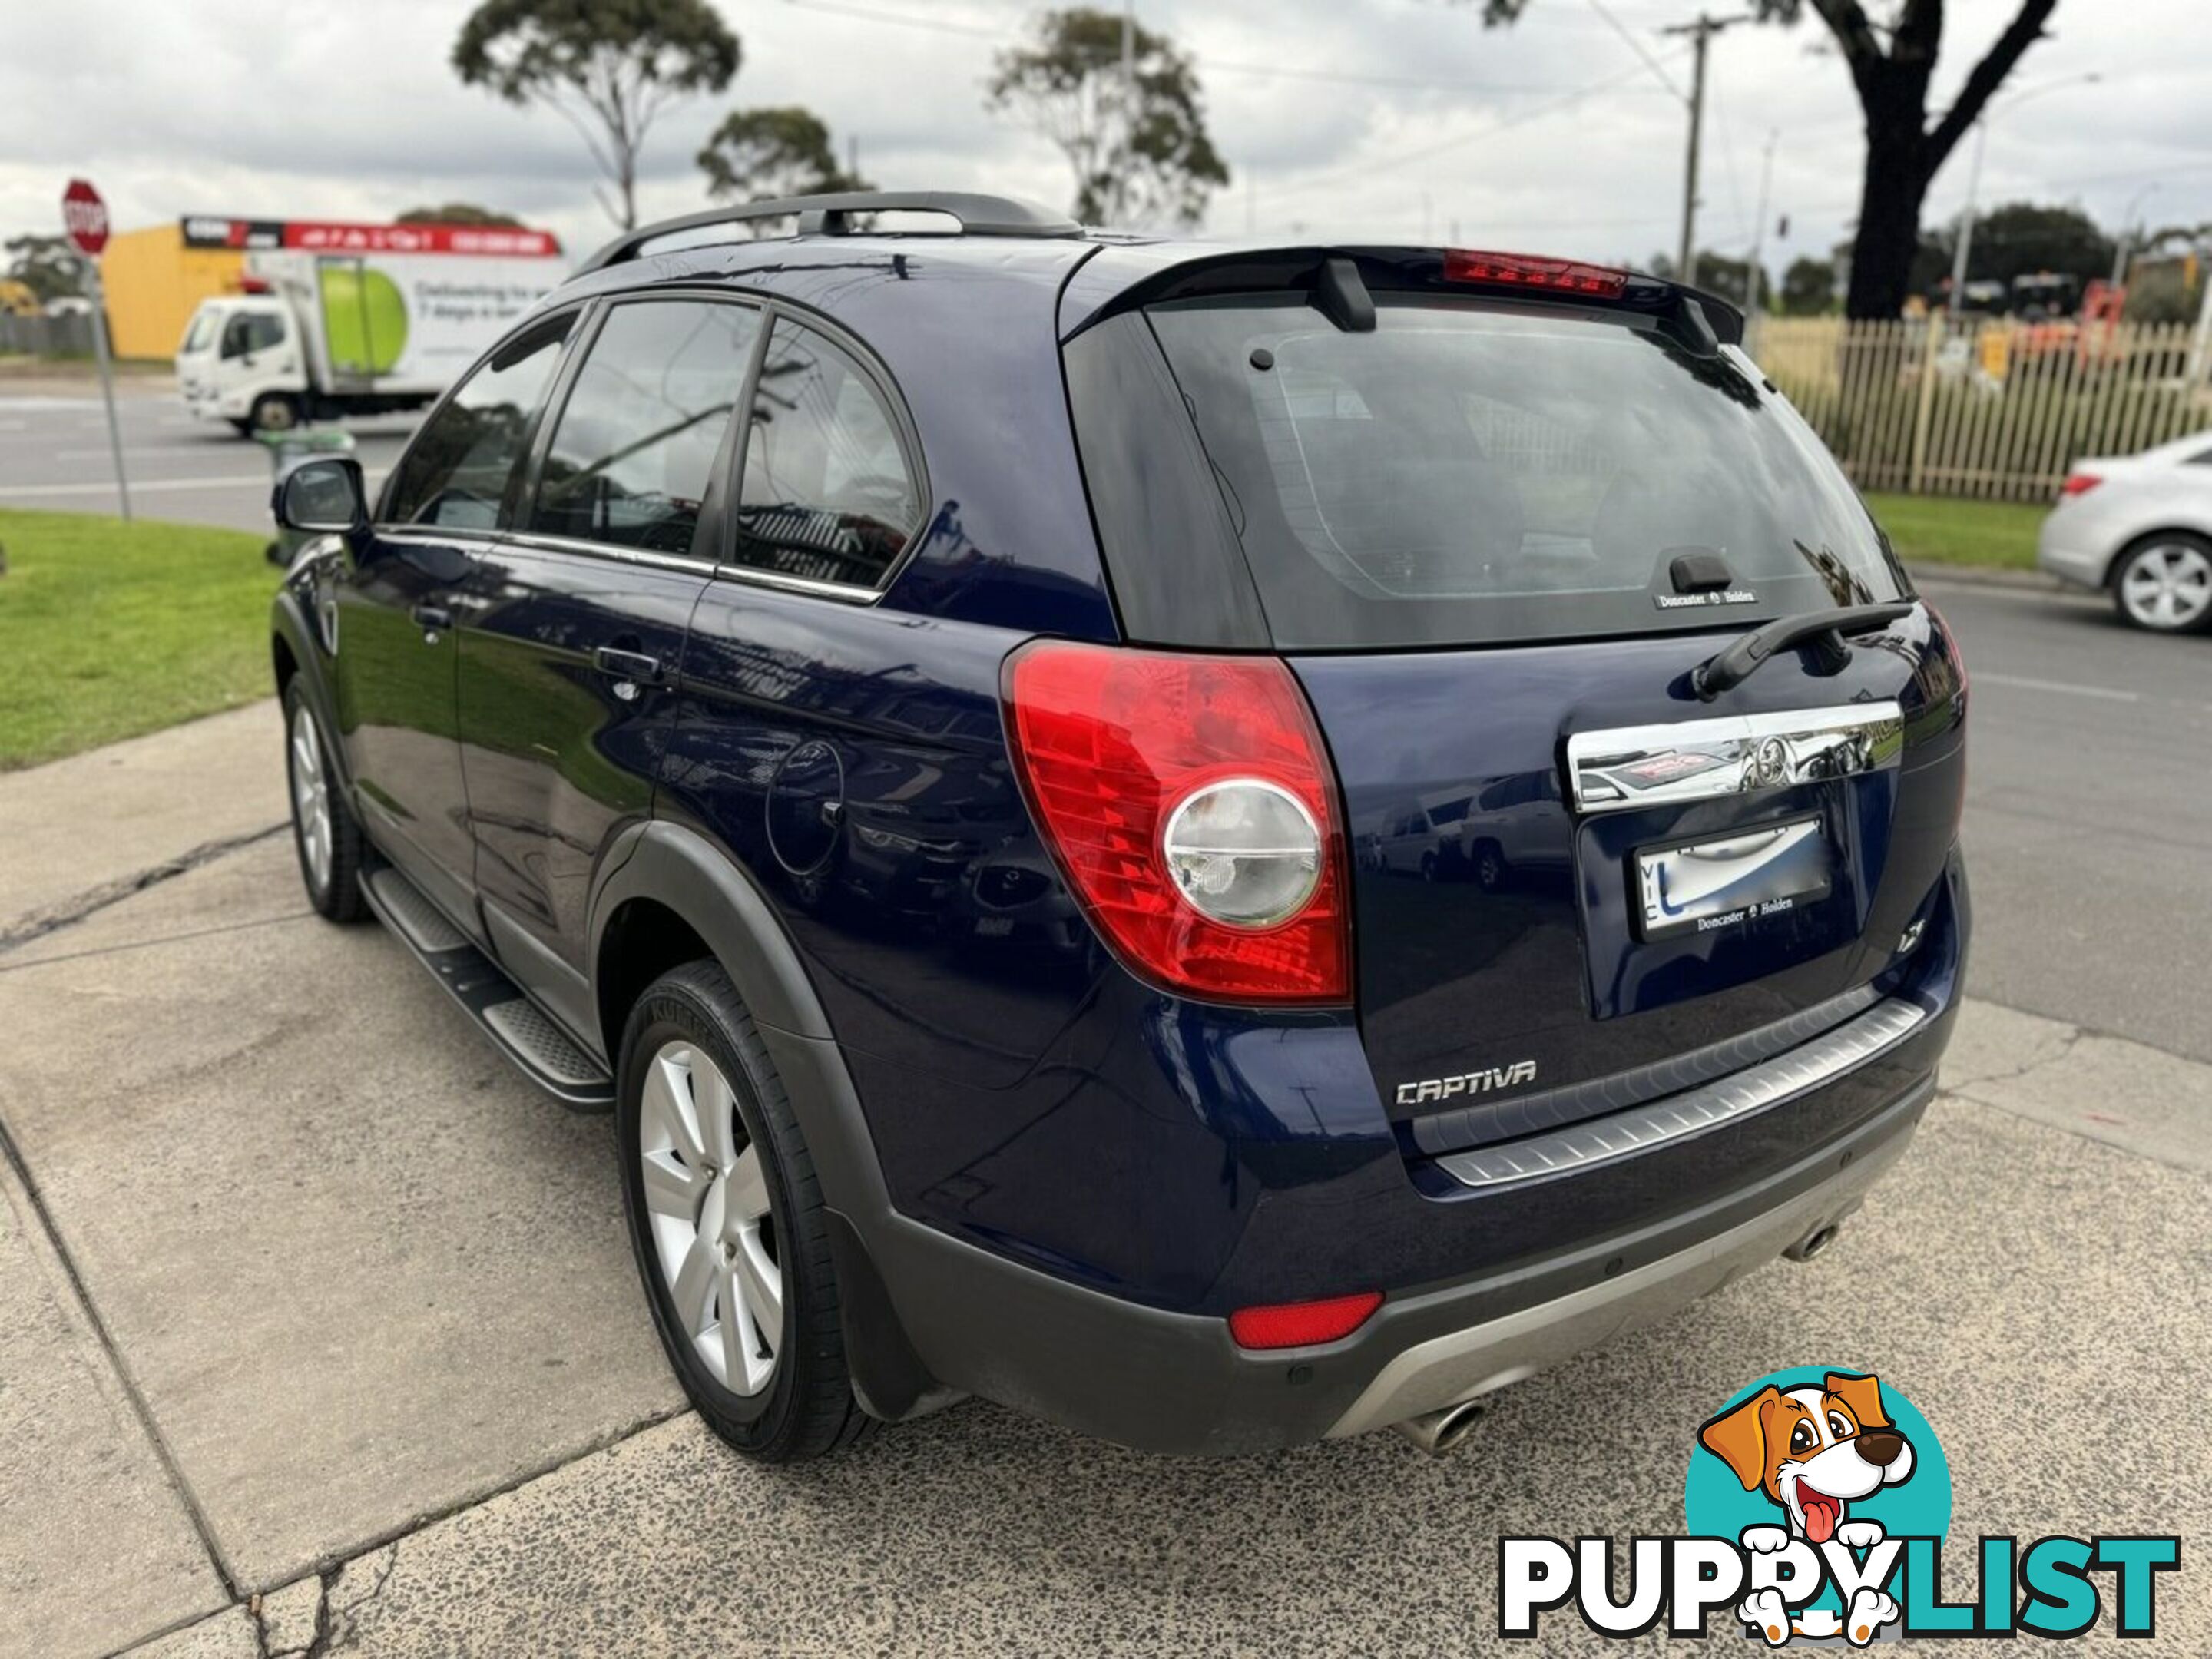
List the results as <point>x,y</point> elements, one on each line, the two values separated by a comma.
<point>1528,966</point>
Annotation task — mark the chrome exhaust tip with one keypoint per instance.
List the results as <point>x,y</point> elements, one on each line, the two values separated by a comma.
<point>1440,1431</point>
<point>1814,1241</point>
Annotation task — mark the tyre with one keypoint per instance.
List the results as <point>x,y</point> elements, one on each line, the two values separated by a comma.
<point>726,1220</point>
<point>1489,865</point>
<point>2164,583</point>
<point>323,832</point>
<point>275,411</point>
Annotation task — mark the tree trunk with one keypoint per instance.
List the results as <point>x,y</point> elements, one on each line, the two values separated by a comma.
<point>1890,200</point>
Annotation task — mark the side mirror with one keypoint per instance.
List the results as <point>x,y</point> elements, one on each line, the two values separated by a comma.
<point>323,497</point>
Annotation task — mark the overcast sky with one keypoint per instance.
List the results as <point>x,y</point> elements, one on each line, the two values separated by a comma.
<point>1551,136</point>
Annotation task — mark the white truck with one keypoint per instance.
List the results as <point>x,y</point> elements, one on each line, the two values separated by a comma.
<point>358,319</point>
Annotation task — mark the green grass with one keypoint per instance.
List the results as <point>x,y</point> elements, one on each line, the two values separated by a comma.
<point>108,630</point>
<point>1933,530</point>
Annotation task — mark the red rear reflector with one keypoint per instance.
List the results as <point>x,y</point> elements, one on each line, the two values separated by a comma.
<point>2078,483</point>
<point>1529,270</point>
<point>1108,742</point>
<point>1300,1324</point>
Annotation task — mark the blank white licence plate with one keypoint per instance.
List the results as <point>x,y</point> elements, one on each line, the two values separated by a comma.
<point>1711,886</point>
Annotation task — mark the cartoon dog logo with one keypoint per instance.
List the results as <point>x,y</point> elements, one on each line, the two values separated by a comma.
<point>1814,1452</point>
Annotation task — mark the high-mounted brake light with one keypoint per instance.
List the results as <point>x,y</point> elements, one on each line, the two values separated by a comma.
<point>1531,270</point>
<point>2079,483</point>
<point>1191,805</point>
<point>1299,1324</point>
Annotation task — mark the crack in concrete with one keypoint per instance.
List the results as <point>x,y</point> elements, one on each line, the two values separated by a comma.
<point>329,1638</point>
<point>2074,1035</point>
<point>37,924</point>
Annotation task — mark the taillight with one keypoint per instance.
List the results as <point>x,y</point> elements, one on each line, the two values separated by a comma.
<point>1190,804</point>
<point>1530,271</point>
<point>1300,1324</point>
<point>2079,483</point>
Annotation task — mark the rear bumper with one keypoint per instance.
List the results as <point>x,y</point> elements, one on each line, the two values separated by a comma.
<point>2072,550</point>
<point>1483,1285</point>
<point>1173,1382</point>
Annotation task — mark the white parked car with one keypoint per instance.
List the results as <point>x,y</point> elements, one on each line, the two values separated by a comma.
<point>2141,527</point>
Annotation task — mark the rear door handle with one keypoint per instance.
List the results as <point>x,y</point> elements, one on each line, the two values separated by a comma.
<point>627,668</point>
<point>432,619</point>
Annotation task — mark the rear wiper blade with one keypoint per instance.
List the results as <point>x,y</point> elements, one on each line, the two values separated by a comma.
<point>1826,630</point>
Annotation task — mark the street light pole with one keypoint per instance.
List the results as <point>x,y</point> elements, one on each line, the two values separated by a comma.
<point>1966,239</point>
<point>1754,281</point>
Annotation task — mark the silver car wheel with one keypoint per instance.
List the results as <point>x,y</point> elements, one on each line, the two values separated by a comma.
<point>714,1232</point>
<point>2167,587</point>
<point>311,798</point>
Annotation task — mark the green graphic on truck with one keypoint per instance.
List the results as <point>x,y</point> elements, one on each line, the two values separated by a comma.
<point>364,318</point>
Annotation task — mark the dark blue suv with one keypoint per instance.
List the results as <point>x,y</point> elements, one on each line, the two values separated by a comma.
<point>1225,844</point>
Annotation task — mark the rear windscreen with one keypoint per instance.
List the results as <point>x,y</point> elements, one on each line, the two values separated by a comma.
<point>1467,474</point>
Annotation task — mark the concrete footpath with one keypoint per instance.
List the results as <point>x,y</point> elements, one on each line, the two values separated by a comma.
<point>319,1334</point>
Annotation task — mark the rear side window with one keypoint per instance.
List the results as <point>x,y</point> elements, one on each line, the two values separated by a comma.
<point>457,472</point>
<point>1469,473</point>
<point>828,495</point>
<point>636,440</point>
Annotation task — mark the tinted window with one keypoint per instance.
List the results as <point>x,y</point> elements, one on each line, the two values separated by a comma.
<point>635,445</point>
<point>457,469</point>
<point>827,493</point>
<point>1466,473</point>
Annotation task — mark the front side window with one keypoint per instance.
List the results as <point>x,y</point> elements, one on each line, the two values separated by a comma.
<point>250,332</point>
<point>827,496</point>
<point>457,472</point>
<point>636,444</point>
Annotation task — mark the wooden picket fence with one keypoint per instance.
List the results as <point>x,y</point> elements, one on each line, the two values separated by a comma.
<point>1992,407</point>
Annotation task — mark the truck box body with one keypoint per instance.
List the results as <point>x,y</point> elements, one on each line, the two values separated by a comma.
<point>367,317</point>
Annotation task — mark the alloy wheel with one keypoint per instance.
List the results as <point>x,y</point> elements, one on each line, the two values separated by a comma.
<point>712,1222</point>
<point>2167,587</point>
<point>311,798</point>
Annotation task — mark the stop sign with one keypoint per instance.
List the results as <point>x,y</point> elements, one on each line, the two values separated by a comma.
<point>84,216</point>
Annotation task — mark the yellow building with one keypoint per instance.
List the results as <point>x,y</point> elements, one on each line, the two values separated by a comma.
<point>155,278</point>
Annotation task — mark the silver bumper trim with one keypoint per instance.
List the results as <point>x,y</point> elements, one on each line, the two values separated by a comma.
<point>1641,1128</point>
<point>1466,1364</point>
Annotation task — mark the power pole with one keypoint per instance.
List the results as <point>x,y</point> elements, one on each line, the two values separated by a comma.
<point>1701,33</point>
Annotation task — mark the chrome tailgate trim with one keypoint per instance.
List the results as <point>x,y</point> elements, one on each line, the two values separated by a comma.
<point>1638,766</point>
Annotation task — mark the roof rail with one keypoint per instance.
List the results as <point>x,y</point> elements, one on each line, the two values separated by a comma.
<point>830,216</point>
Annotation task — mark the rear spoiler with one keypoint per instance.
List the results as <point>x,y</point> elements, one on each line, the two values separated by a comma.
<point>1341,280</point>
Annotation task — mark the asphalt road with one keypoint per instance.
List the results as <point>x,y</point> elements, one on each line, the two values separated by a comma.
<point>2088,829</point>
<point>54,454</point>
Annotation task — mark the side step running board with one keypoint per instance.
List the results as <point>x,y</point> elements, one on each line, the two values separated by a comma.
<point>540,1049</point>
